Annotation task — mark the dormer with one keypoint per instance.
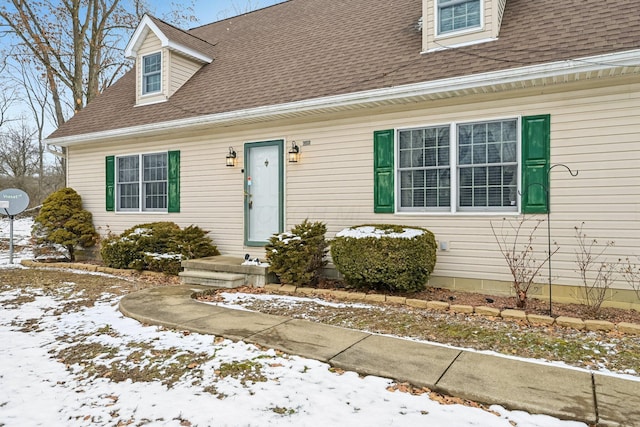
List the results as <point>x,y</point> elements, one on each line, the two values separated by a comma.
<point>165,59</point>
<point>455,23</point>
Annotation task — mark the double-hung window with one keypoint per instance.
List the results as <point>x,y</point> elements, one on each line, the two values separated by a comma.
<point>470,166</point>
<point>151,73</point>
<point>457,15</point>
<point>424,168</point>
<point>491,166</point>
<point>142,182</point>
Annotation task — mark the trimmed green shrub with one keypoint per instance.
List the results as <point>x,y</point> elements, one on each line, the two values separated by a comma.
<point>63,221</point>
<point>165,263</point>
<point>298,256</point>
<point>192,242</point>
<point>385,257</point>
<point>156,246</point>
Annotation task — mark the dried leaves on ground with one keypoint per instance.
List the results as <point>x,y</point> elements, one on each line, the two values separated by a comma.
<point>593,350</point>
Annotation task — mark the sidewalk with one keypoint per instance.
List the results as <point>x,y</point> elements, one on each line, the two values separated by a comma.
<point>532,387</point>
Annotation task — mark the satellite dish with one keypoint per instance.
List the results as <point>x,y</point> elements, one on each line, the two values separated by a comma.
<point>18,201</point>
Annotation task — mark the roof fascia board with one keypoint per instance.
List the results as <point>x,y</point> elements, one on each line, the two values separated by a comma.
<point>189,52</point>
<point>146,25</point>
<point>549,70</point>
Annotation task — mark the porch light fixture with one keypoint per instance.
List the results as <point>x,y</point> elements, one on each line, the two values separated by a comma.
<point>231,158</point>
<point>294,153</point>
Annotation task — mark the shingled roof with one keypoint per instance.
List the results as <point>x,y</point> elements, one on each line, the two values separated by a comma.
<point>308,49</point>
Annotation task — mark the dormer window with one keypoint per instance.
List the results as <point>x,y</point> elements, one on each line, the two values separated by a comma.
<point>165,57</point>
<point>457,15</point>
<point>152,73</point>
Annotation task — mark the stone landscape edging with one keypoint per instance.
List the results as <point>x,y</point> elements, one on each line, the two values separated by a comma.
<point>507,314</point>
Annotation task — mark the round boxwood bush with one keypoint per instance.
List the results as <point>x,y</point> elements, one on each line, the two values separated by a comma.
<point>385,257</point>
<point>156,246</point>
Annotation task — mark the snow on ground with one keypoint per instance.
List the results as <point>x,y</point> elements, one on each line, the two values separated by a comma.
<point>228,384</point>
<point>21,240</point>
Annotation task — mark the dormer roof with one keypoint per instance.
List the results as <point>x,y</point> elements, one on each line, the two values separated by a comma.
<point>171,38</point>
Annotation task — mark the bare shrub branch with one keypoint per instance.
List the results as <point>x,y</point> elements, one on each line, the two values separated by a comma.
<point>630,272</point>
<point>596,273</point>
<point>520,256</point>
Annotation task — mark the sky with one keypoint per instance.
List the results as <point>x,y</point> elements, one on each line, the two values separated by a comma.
<point>207,11</point>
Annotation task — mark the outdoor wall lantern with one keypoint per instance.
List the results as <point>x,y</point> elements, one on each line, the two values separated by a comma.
<point>231,158</point>
<point>294,153</point>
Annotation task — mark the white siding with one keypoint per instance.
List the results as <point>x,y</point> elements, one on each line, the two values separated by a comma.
<point>594,131</point>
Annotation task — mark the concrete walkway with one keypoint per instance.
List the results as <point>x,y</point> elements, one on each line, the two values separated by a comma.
<point>536,388</point>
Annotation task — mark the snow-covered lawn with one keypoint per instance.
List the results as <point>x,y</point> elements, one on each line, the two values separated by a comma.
<point>66,364</point>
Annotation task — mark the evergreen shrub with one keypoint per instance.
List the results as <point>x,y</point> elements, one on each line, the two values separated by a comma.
<point>297,257</point>
<point>62,221</point>
<point>385,257</point>
<point>156,246</point>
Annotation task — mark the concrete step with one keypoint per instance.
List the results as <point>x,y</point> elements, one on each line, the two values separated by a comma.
<point>227,264</point>
<point>215,279</point>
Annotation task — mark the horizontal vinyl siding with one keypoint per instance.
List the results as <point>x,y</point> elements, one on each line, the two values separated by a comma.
<point>181,70</point>
<point>596,132</point>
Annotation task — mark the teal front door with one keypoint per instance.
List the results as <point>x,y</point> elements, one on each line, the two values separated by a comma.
<point>264,191</point>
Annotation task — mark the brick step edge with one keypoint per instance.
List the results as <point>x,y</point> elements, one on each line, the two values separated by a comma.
<point>507,314</point>
<point>92,268</point>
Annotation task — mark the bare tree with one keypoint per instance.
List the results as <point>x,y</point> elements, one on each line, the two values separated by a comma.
<point>77,45</point>
<point>36,96</point>
<point>7,96</point>
<point>18,153</point>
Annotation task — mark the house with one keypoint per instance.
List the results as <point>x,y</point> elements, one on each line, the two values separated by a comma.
<point>444,114</point>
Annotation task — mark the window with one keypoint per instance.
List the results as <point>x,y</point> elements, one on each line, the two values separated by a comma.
<point>463,167</point>
<point>456,15</point>
<point>142,188</point>
<point>151,73</point>
<point>473,166</point>
<point>147,182</point>
<point>425,175</point>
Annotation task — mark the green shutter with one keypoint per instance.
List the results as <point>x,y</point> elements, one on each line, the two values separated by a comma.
<point>174,181</point>
<point>383,171</point>
<point>110,163</point>
<point>536,145</point>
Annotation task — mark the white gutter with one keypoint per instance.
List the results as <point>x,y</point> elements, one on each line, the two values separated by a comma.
<point>549,70</point>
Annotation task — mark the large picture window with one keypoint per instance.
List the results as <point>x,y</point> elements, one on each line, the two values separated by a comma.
<point>467,166</point>
<point>152,73</point>
<point>456,15</point>
<point>142,182</point>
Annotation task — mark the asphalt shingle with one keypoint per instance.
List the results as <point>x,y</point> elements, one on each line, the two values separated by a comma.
<point>305,49</point>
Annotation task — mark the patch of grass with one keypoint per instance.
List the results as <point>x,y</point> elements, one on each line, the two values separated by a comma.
<point>214,391</point>
<point>87,356</point>
<point>27,325</point>
<point>143,364</point>
<point>24,298</point>
<point>283,410</point>
<point>107,330</point>
<point>594,350</point>
<point>245,371</point>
